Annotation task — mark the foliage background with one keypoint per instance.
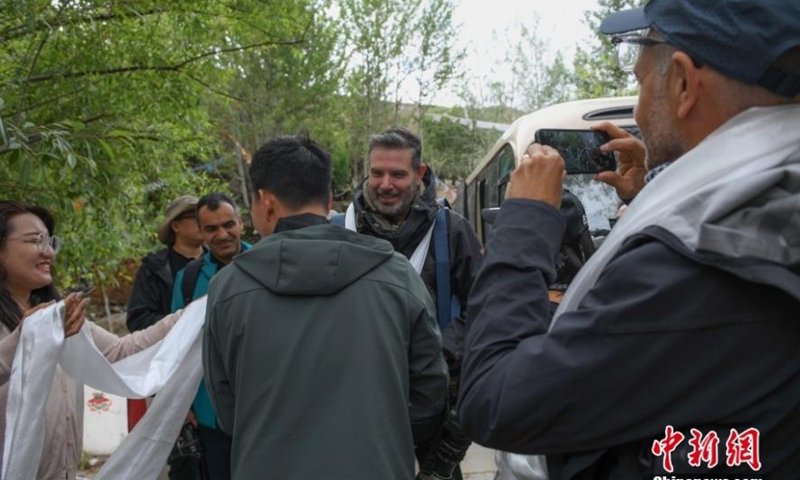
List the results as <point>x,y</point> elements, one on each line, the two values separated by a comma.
<point>109,109</point>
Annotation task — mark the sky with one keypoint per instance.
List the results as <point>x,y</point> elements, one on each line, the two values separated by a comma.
<point>560,23</point>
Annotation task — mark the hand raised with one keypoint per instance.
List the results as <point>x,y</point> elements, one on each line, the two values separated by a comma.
<point>74,313</point>
<point>539,176</point>
<point>628,180</point>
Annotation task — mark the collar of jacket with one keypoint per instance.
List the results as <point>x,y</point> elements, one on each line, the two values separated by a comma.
<point>210,260</point>
<point>296,222</point>
<point>158,263</point>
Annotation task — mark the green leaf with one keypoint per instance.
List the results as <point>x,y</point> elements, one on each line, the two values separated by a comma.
<point>25,171</point>
<point>107,147</point>
<point>3,132</point>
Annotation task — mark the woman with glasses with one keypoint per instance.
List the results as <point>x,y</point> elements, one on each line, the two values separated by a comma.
<point>28,249</point>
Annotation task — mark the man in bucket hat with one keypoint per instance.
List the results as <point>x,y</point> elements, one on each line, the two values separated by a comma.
<point>675,352</point>
<point>152,290</point>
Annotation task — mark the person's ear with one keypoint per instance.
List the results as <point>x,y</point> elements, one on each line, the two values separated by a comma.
<point>685,83</point>
<point>268,203</point>
<point>421,170</point>
<point>330,202</point>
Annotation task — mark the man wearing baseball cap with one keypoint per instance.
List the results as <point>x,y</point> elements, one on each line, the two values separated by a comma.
<point>676,350</point>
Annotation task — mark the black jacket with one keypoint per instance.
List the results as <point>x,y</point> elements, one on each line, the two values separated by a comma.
<point>151,296</point>
<point>665,337</point>
<point>465,249</point>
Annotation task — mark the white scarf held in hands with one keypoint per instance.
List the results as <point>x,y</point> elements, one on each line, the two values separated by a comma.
<point>172,367</point>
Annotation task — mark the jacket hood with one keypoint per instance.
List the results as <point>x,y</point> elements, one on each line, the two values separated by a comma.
<point>429,195</point>
<point>317,260</point>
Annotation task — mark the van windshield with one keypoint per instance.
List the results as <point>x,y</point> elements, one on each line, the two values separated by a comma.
<point>599,200</point>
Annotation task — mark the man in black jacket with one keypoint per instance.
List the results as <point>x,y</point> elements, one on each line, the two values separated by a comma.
<point>676,350</point>
<point>397,202</point>
<point>151,297</point>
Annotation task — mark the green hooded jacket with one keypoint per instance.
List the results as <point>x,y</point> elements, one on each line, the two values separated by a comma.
<point>321,348</point>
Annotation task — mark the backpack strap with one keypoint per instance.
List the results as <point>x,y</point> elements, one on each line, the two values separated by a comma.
<point>190,276</point>
<point>441,249</point>
<point>338,219</point>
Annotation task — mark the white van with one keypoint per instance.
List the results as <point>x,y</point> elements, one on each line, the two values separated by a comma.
<point>486,185</point>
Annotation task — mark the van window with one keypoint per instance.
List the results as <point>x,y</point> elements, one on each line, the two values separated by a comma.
<point>506,162</point>
<point>472,205</point>
<point>461,205</point>
<point>491,181</point>
<point>482,203</point>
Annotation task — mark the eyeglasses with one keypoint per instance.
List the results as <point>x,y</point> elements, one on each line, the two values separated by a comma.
<point>42,241</point>
<point>628,47</point>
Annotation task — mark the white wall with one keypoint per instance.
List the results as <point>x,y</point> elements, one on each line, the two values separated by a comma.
<point>105,422</point>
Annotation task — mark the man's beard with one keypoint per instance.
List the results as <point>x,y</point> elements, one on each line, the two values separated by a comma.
<point>663,142</point>
<point>397,210</point>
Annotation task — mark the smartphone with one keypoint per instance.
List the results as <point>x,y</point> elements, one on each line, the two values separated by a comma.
<point>84,290</point>
<point>580,149</point>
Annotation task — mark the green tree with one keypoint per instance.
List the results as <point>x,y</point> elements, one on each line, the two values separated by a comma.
<point>106,110</point>
<point>537,81</point>
<point>435,61</point>
<point>596,73</point>
<point>390,42</point>
<point>452,148</point>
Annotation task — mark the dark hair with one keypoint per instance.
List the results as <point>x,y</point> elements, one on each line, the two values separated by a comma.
<point>296,169</point>
<point>10,313</point>
<point>213,201</point>
<point>398,139</point>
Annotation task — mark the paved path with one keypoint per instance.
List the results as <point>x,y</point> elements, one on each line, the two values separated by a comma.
<point>479,464</point>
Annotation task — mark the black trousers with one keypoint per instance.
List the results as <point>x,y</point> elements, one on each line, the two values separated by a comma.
<point>217,453</point>
<point>184,468</point>
<point>421,452</point>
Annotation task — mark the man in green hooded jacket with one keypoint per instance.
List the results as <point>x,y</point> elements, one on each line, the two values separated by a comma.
<point>321,349</point>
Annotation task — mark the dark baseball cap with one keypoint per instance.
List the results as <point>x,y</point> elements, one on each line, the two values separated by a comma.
<point>741,39</point>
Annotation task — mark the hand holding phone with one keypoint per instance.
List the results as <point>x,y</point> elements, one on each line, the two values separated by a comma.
<point>539,176</point>
<point>628,179</point>
<point>580,149</point>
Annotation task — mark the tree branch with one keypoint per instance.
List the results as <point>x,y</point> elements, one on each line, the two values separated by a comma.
<point>51,100</point>
<point>221,93</point>
<point>164,68</point>
<point>25,29</point>
<point>30,75</point>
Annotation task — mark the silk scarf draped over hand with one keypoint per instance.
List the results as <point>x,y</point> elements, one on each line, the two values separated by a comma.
<point>172,368</point>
